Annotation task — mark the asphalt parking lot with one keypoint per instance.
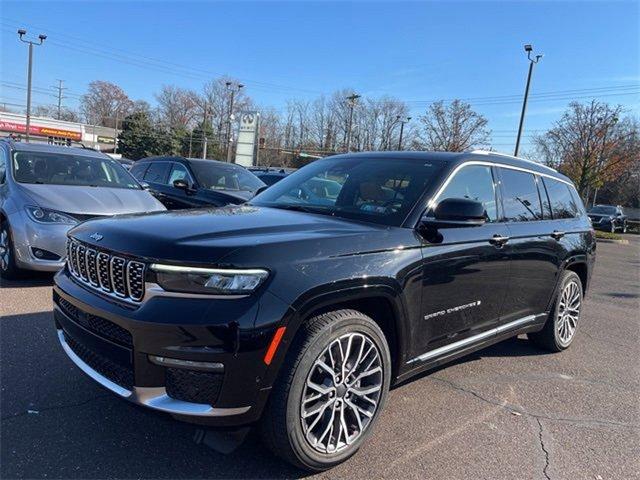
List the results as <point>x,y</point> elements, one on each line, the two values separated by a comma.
<point>510,411</point>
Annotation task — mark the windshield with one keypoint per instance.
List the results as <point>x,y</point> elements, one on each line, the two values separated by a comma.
<point>69,169</point>
<point>603,209</point>
<point>379,190</point>
<point>214,176</point>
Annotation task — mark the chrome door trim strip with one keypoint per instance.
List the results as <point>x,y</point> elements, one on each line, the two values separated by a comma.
<point>474,339</point>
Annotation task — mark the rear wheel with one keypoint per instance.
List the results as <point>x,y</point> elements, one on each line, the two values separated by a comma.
<point>561,326</point>
<point>331,389</point>
<point>8,268</point>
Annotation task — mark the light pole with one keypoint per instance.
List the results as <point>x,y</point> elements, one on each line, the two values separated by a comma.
<point>532,61</point>
<point>402,122</point>
<point>352,103</point>
<point>233,89</point>
<point>41,38</point>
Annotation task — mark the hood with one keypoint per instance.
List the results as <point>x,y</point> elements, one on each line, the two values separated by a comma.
<point>98,201</point>
<point>206,236</point>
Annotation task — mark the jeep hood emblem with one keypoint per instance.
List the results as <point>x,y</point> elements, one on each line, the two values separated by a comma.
<point>96,236</point>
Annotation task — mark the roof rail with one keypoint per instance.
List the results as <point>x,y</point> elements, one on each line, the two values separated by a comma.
<point>490,152</point>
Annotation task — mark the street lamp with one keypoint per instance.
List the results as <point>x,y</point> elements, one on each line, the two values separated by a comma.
<point>41,38</point>
<point>233,90</point>
<point>532,61</point>
<point>352,103</point>
<point>402,122</point>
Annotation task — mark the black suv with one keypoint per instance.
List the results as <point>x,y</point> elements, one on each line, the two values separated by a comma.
<point>180,182</point>
<point>608,218</point>
<point>299,312</point>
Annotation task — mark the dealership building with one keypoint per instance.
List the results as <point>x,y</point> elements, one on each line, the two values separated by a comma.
<point>58,132</point>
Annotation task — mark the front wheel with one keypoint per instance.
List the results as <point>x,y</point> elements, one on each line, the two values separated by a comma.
<point>332,387</point>
<point>8,268</point>
<point>561,326</point>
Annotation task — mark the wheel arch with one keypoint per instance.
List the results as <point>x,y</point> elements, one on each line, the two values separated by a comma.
<point>381,303</point>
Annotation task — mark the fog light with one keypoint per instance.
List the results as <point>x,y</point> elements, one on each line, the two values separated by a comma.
<point>188,364</point>
<point>43,254</point>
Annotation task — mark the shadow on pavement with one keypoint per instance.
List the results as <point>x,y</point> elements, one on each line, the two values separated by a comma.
<point>32,279</point>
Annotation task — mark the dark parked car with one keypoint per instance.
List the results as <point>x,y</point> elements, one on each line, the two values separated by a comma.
<point>180,182</point>
<point>299,315</point>
<point>269,175</point>
<point>608,218</point>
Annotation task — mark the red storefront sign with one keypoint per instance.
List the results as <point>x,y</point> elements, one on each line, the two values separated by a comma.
<point>43,131</point>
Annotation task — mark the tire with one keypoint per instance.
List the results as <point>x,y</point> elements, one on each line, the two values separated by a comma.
<point>8,268</point>
<point>560,328</point>
<point>282,424</point>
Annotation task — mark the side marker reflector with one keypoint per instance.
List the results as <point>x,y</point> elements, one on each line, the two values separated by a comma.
<point>273,346</point>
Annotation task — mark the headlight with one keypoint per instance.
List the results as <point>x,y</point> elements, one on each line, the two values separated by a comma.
<point>212,281</point>
<point>44,215</point>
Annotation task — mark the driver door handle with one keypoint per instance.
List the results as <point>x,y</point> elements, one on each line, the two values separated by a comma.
<point>498,240</point>
<point>557,234</point>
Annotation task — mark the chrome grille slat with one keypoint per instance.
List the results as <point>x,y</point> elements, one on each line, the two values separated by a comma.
<point>111,274</point>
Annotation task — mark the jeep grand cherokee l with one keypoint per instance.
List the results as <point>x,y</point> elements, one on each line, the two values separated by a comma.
<point>298,315</point>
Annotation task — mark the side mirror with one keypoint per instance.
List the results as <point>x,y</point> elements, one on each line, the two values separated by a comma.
<point>455,213</point>
<point>182,184</point>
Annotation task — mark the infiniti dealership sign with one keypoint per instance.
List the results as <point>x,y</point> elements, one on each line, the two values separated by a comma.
<point>245,149</point>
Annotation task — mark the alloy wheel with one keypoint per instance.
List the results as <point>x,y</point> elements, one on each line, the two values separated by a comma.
<point>342,393</point>
<point>568,312</point>
<point>5,251</point>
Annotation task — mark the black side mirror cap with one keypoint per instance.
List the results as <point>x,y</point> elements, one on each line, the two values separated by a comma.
<point>182,184</point>
<point>456,212</point>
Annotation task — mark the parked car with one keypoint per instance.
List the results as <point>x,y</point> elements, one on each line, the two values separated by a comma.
<point>269,175</point>
<point>298,314</point>
<point>180,182</point>
<point>126,163</point>
<point>46,189</point>
<point>608,218</point>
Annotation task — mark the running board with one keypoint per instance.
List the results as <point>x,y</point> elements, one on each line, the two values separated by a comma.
<point>460,344</point>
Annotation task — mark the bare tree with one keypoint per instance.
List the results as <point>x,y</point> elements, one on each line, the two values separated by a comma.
<point>177,107</point>
<point>453,127</point>
<point>105,102</point>
<point>590,144</point>
<point>51,111</point>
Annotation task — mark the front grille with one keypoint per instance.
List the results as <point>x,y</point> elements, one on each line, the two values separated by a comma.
<point>193,386</point>
<point>120,374</point>
<point>109,273</point>
<point>98,325</point>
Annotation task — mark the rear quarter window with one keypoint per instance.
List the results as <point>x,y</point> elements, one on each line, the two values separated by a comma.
<point>563,203</point>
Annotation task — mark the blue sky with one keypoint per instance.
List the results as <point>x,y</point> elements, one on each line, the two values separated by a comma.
<point>415,51</point>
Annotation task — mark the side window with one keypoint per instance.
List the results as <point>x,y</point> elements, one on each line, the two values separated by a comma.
<point>157,173</point>
<point>179,172</point>
<point>520,196</point>
<point>138,170</point>
<point>546,205</point>
<point>563,204</point>
<point>474,182</point>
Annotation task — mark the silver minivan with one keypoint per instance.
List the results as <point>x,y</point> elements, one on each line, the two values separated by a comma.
<point>46,189</point>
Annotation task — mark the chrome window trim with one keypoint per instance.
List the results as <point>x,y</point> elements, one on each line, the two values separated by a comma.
<point>431,203</point>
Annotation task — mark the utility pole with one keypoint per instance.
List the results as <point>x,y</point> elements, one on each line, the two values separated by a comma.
<point>402,122</point>
<point>60,88</point>
<point>190,142</point>
<point>204,134</point>
<point>41,38</point>
<point>532,61</point>
<point>233,89</point>
<point>352,103</point>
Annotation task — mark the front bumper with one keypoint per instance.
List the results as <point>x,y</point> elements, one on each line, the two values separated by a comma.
<point>113,343</point>
<point>27,234</point>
